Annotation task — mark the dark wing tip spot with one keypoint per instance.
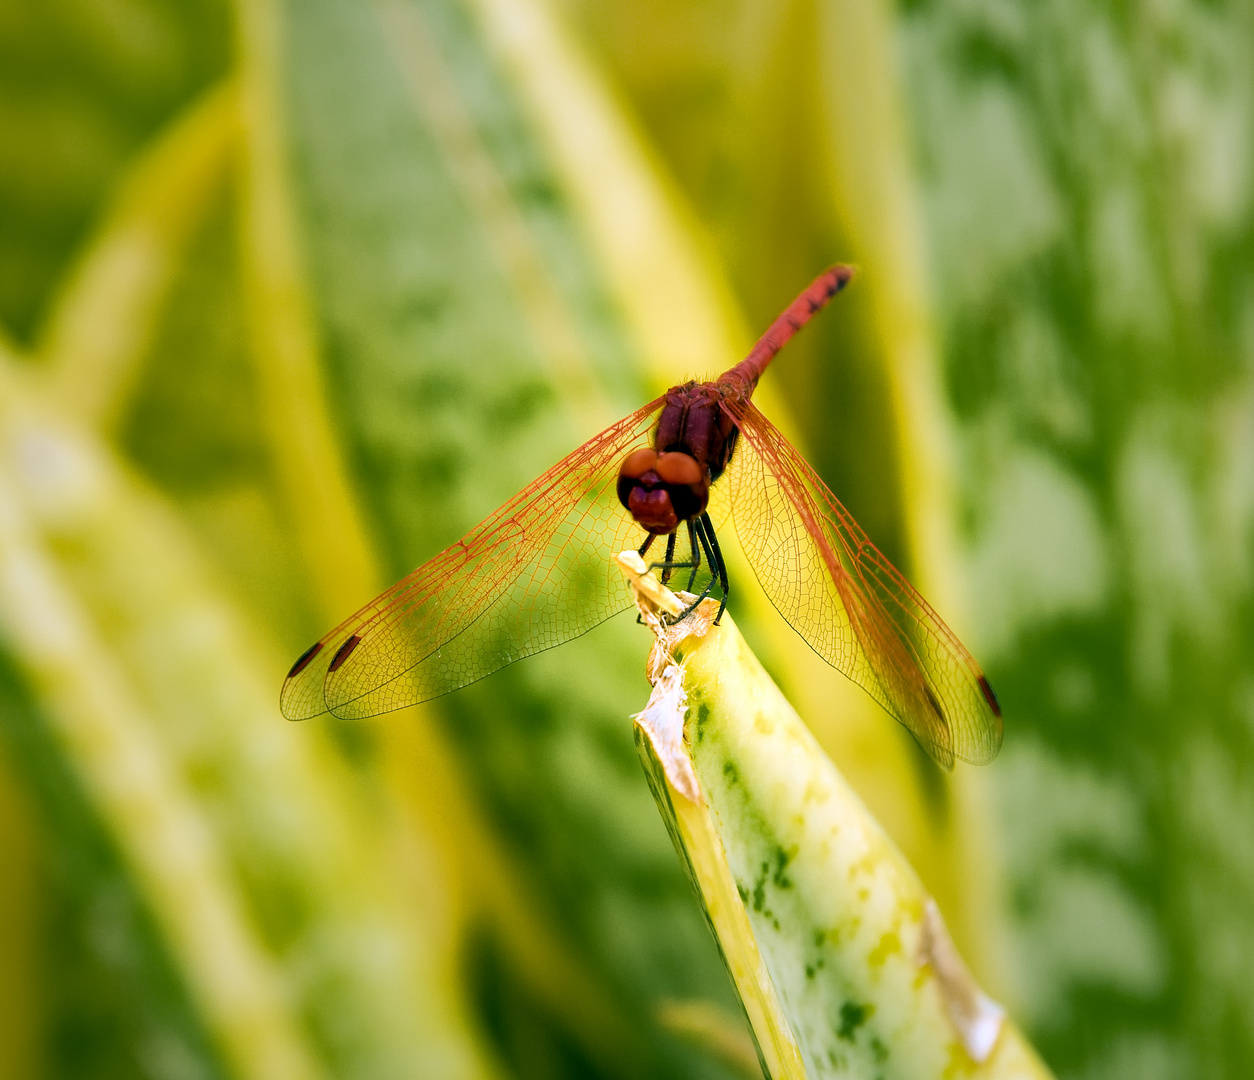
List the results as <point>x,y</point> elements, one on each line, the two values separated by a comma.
<point>931,700</point>
<point>342,653</point>
<point>304,659</point>
<point>990,697</point>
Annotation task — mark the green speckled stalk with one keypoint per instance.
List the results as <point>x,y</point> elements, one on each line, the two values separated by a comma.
<point>840,957</point>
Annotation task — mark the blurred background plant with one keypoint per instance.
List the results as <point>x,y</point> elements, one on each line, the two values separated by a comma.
<point>294,293</point>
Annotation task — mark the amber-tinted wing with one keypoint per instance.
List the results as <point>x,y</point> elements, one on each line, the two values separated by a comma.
<point>536,573</point>
<point>853,607</point>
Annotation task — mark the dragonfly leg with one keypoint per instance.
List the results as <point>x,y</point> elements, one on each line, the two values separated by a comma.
<point>717,564</point>
<point>669,565</point>
<point>700,543</point>
<point>696,553</point>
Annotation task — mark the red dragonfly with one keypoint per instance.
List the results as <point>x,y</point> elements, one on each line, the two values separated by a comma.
<point>538,571</point>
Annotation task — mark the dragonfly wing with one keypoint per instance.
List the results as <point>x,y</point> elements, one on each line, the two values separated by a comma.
<point>536,573</point>
<point>851,605</point>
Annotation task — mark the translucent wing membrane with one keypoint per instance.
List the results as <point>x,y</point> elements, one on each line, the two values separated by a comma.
<point>850,604</point>
<point>534,574</point>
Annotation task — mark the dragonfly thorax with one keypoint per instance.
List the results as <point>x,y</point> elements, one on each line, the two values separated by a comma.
<point>694,422</point>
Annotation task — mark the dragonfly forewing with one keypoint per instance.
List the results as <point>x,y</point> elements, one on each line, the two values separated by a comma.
<point>533,575</point>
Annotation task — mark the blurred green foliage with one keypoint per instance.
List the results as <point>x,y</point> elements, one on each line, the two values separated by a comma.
<point>485,889</point>
<point>83,85</point>
<point>1100,362</point>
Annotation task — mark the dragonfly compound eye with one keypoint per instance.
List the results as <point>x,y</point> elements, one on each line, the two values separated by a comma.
<point>636,464</point>
<point>679,469</point>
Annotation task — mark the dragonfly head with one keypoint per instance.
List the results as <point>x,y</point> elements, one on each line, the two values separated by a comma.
<point>661,490</point>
